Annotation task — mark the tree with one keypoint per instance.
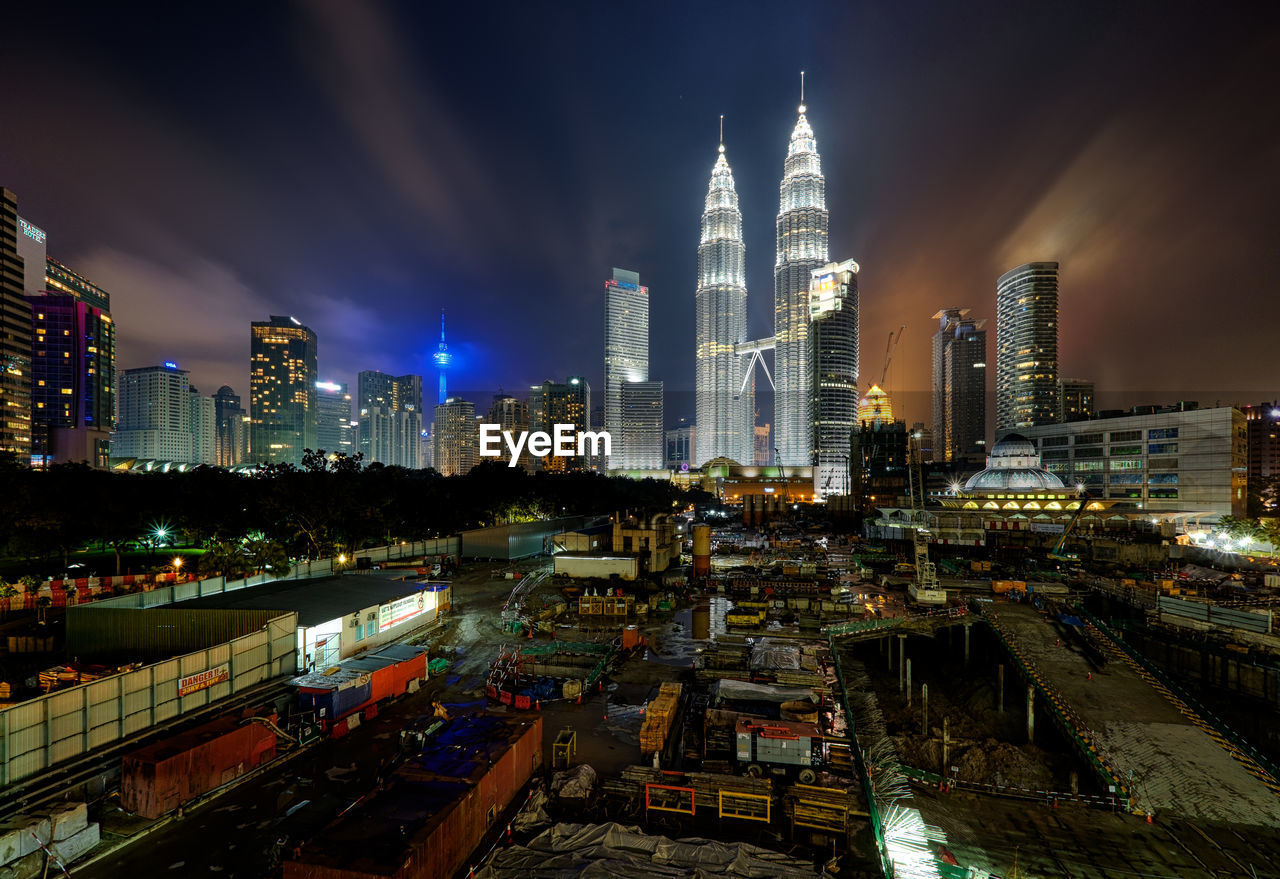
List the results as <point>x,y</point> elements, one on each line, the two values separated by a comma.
<point>7,592</point>
<point>224,558</point>
<point>269,556</point>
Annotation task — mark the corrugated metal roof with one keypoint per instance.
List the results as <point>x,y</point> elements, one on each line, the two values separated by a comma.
<point>316,601</point>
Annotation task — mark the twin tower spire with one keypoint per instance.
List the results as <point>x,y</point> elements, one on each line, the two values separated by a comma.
<point>724,382</point>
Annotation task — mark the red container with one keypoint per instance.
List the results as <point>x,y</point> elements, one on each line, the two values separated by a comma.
<point>163,776</point>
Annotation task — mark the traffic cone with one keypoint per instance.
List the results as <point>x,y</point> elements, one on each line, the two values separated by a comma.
<point>1149,821</point>
<point>537,703</point>
<point>1090,675</point>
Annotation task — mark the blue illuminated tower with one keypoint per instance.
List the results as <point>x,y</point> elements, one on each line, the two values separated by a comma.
<point>443,358</point>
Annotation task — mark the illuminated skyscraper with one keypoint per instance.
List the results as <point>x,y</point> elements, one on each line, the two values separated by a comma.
<point>390,418</point>
<point>457,437</point>
<point>1027,347</point>
<point>164,418</point>
<point>959,386</point>
<point>833,339</point>
<point>512,415</point>
<point>724,405</point>
<point>552,403</point>
<point>233,428</point>
<point>626,349</point>
<point>641,427</point>
<point>282,390</point>
<point>333,413</point>
<point>15,335</point>
<point>802,247</point>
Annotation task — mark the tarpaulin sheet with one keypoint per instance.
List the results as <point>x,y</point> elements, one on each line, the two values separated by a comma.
<point>576,783</point>
<point>1070,620</point>
<point>771,654</point>
<point>748,692</point>
<point>596,851</point>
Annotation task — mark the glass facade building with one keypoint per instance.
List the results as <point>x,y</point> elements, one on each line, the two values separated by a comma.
<point>15,337</point>
<point>552,403</point>
<point>456,437</point>
<point>642,434</point>
<point>390,418</point>
<point>724,394</point>
<point>626,349</point>
<point>802,248</point>
<point>282,390</point>
<point>833,338</point>
<point>1027,347</point>
<point>333,424</point>
<point>959,386</point>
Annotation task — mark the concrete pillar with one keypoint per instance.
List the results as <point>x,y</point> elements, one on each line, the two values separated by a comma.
<point>1075,782</point>
<point>902,661</point>
<point>908,683</point>
<point>966,644</point>
<point>1031,714</point>
<point>946,747</point>
<point>924,709</point>
<point>888,645</point>
<point>1000,688</point>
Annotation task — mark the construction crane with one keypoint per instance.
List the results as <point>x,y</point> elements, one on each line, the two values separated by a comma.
<point>925,589</point>
<point>890,347</point>
<point>1056,554</point>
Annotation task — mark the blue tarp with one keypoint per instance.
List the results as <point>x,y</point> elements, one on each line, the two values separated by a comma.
<point>1070,620</point>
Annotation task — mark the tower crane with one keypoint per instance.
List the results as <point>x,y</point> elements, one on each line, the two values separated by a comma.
<point>890,347</point>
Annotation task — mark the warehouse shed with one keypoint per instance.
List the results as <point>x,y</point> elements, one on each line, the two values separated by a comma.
<point>519,541</point>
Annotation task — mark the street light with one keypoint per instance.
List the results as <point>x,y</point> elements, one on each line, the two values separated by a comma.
<point>177,562</point>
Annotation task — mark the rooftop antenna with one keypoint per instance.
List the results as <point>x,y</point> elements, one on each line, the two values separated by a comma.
<point>721,128</point>
<point>801,91</point>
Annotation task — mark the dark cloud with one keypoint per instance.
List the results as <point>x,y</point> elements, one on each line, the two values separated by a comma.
<point>362,166</point>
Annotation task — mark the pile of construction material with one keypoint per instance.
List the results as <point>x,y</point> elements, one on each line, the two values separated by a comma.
<point>658,719</point>
<point>31,845</point>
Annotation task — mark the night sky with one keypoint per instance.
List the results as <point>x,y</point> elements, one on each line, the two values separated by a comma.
<point>359,166</point>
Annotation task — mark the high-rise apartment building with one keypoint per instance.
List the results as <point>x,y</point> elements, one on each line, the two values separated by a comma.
<point>802,248</point>
<point>642,440</point>
<point>72,369</point>
<point>390,418</point>
<point>333,424</point>
<point>626,348</point>
<point>161,418</point>
<point>15,334</point>
<point>233,425</point>
<point>959,387</point>
<point>511,414</point>
<point>833,357</point>
<point>1076,400</point>
<point>724,393</point>
<point>552,403</point>
<point>1262,424</point>
<point>202,424</point>
<point>282,390</point>
<point>1027,347</point>
<point>457,437</point>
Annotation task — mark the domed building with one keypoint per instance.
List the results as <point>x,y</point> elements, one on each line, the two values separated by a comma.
<point>1013,465</point>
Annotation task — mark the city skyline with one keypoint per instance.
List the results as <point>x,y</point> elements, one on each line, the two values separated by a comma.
<point>929,225</point>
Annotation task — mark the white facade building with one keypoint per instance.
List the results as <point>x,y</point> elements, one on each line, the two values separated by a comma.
<point>626,350</point>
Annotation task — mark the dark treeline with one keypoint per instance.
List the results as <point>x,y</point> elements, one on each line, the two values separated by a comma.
<point>317,510</point>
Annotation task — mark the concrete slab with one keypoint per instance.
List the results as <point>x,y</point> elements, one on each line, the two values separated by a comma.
<point>1174,767</point>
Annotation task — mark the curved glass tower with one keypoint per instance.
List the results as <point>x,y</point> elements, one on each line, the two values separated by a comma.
<point>802,247</point>
<point>725,408</point>
<point>1027,347</point>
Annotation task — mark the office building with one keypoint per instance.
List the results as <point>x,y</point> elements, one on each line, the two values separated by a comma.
<point>923,435</point>
<point>1178,458</point>
<point>833,356</point>
<point>161,418</point>
<point>15,334</point>
<point>72,370</point>
<point>511,414</point>
<point>762,452</point>
<point>552,403</point>
<point>1076,400</point>
<point>202,421</point>
<point>457,437</point>
<point>390,418</point>
<point>724,390</point>
<point>333,419</point>
<point>959,387</point>
<point>1027,347</point>
<point>626,349</point>
<point>642,439</point>
<point>681,443</point>
<point>426,448</point>
<point>233,425</point>
<point>1262,424</point>
<point>282,390</point>
<point>802,248</point>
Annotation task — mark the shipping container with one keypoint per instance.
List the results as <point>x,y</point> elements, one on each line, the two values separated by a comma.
<point>160,777</point>
<point>436,808</point>
<point>410,664</point>
<point>381,672</point>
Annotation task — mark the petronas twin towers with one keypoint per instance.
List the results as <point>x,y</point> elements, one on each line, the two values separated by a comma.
<point>725,382</point>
